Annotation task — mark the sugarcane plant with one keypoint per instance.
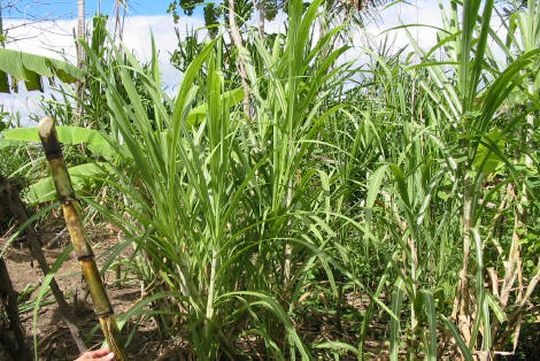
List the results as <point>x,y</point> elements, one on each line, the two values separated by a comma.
<point>83,249</point>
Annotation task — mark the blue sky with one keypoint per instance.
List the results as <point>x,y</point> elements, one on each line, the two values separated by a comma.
<point>67,9</point>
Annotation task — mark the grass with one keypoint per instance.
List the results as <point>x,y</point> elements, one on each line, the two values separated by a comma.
<point>414,185</point>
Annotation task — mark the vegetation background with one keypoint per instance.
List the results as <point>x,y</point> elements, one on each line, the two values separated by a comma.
<point>289,202</point>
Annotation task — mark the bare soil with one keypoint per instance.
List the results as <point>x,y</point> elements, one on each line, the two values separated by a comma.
<point>53,339</point>
<point>146,344</point>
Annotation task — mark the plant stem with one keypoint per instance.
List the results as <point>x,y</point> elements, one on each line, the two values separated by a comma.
<point>81,35</point>
<point>461,312</point>
<point>70,208</point>
<point>237,40</point>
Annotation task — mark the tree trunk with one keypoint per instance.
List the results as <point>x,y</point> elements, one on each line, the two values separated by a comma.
<point>2,43</point>
<point>12,345</point>
<point>81,34</point>
<point>15,209</point>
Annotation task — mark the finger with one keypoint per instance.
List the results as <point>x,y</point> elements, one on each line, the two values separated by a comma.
<point>99,353</point>
<point>108,357</point>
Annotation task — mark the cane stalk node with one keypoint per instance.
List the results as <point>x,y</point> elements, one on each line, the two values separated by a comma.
<point>47,133</point>
<point>86,257</point>
<point>67,199</point>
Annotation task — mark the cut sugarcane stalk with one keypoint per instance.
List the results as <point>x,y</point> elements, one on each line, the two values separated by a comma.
<point>70,208</point>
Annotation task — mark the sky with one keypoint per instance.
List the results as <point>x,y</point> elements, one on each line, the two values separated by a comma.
<point>67,9</point>
<point>52,35</point>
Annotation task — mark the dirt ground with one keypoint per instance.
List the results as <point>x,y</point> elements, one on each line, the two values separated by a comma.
<point>53,338</point>
<point>55,343</point>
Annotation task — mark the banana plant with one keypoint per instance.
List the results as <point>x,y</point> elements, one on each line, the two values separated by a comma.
<point>32,69</point>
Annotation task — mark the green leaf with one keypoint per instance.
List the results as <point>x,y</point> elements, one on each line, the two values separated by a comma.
<point>374,185</point>
<point>70,135</point>
<point>4,82</point>
<point>231,98</point>
<point>397,301</point>
<point>33,82</point>
<point>10,63</point>
<point>31,68</point>
<point>82,176</point>
<point>443,195</point>
<point>402,186</point>
<point>5,143</point>
<point>496,308</point>
<point>336,345</point>
<point>488,159</point>
<point>457,337</point>
<point>36,64</point>
<point>431,315</point>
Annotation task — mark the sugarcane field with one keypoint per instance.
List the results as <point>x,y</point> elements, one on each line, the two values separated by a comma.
<point>185,180</point>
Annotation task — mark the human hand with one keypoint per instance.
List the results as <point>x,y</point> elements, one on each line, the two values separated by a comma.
<point>98,355</point>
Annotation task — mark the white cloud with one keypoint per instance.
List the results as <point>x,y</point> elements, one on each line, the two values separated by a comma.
<point>386,29</point>
<point>55,39</point>
<point>47,38</point>
<point>21,105</point>
<point>138,33</point>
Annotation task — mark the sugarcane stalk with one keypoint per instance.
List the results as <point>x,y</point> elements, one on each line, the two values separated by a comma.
<point>83,249</point>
